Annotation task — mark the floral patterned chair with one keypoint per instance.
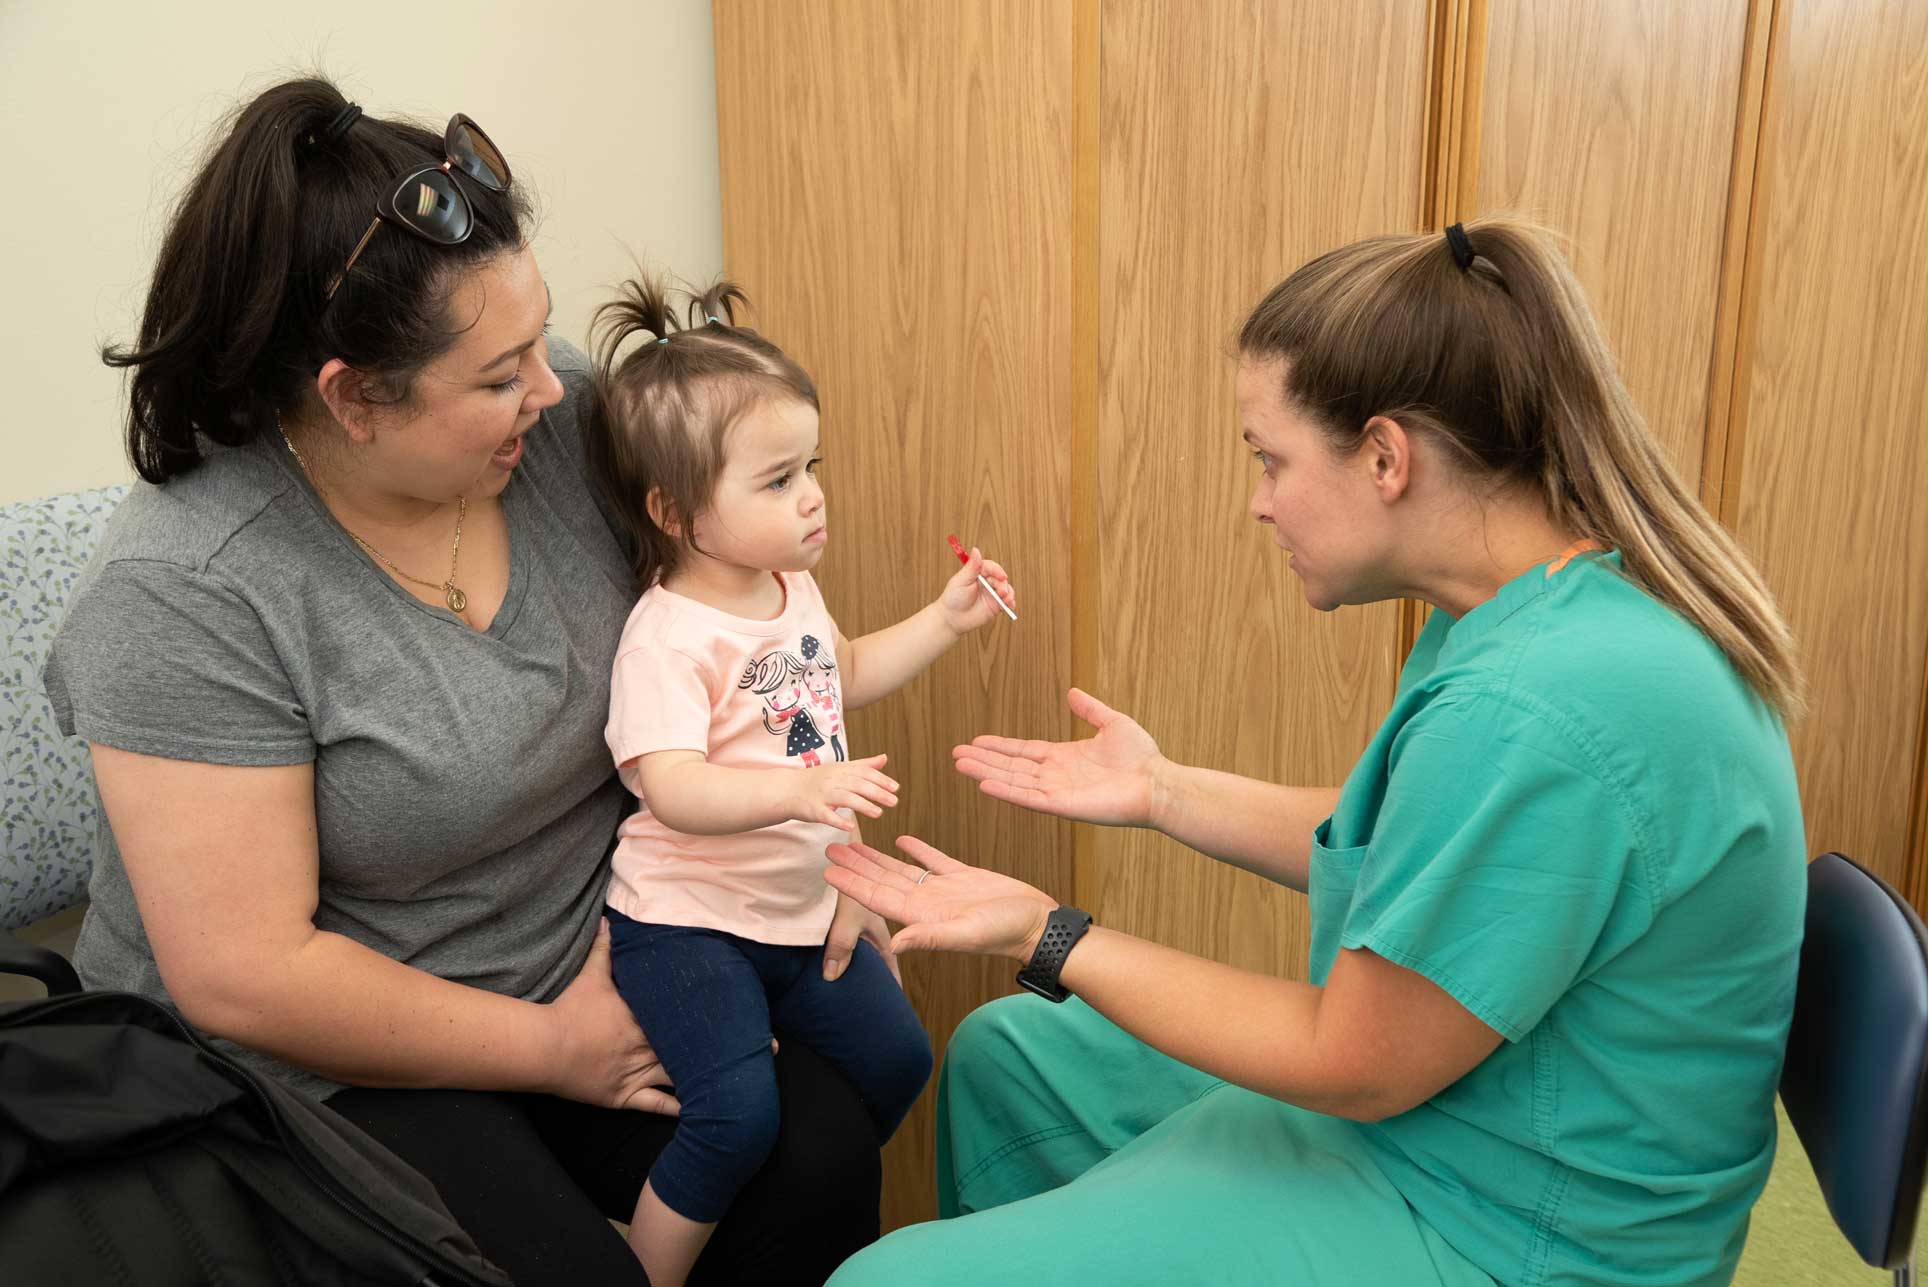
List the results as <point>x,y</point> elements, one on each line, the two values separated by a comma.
<point>48,807</point>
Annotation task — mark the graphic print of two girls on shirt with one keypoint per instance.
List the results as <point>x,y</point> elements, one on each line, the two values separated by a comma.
<point>800,697</point>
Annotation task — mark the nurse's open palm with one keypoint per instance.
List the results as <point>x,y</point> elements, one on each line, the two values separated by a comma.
<point>944,905</point>
<point>1105,779</point>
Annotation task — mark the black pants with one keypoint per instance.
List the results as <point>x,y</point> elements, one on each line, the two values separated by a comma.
<point>535,1179</point>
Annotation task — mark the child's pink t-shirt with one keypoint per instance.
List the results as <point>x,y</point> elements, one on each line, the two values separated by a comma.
<point>749,695</point>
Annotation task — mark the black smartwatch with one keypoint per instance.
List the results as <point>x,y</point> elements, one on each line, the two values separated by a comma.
<point>1061,933</point>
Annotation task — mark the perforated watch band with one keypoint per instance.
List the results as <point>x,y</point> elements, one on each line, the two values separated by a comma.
<point>1062,931</point>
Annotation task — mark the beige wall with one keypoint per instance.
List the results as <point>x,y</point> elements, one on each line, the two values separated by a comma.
<point>606,107</point>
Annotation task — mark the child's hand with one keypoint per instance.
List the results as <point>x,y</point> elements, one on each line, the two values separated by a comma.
<point>964,603</point>
<point>858,785</point>
<point>854,922</point>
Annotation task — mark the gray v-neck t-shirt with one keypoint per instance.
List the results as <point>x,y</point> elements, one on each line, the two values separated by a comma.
<point>464,798</point>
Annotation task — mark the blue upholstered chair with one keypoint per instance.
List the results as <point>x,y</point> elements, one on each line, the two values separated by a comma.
<point>48,808</point>
<point>1856,1081</point>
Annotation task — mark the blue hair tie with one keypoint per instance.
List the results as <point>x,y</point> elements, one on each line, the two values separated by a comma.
<point>714,320</point>
<point>664,340</point>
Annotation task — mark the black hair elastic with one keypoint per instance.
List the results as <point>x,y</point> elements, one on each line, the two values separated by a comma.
<point>1461,245</point>
<point>345,118</point>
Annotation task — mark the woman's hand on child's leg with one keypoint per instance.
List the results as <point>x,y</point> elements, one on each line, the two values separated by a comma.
<point>852,923</point>
<point>602,1056</point>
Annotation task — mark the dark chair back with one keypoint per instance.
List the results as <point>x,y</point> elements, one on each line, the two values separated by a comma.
<point>1857,1053</point>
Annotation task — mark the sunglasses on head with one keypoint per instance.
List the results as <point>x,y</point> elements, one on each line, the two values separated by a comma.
<point>428,202</point>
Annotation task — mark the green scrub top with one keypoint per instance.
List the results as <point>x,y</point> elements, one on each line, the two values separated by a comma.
<point>1582,823</point>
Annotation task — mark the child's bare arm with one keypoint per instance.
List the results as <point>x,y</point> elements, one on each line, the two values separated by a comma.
<point>687,793</point>
<point>880,663</point>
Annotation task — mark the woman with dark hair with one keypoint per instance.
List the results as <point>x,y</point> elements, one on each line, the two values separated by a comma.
<point>343,662</point>
<point>1555,909</point>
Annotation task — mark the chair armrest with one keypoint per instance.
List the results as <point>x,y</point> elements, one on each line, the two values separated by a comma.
<point>18,956</point>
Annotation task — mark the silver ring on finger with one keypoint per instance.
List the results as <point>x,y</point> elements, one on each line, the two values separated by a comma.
<point>922,876</point>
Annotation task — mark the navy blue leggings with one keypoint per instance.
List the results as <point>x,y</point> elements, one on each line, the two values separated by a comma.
<point>709,1003</point>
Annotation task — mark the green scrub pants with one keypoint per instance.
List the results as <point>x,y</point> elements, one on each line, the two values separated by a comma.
<point>1069,1152</point>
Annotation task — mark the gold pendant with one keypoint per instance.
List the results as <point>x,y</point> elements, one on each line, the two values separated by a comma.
<point>456,599</point>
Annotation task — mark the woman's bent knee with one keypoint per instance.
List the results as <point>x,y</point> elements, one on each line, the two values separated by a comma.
<point>992,1035</point>
<point>906,1256</point>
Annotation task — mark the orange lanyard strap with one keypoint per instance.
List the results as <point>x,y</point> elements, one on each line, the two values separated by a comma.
<point>1567,555</point>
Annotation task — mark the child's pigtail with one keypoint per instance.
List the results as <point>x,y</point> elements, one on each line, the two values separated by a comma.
<point>616,459</point>
<point>641,307</point>
<point>717,306</point>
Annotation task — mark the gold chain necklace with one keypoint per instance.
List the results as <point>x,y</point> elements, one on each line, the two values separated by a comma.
<point>451,593</point>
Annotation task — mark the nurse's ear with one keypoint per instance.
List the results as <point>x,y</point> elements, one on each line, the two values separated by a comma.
<point>1386,453</point>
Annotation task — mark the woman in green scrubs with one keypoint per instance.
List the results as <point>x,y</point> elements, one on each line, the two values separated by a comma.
<point>1556,907</point>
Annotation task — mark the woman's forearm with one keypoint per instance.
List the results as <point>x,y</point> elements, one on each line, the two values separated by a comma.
<point>1375,1041</point>
<point>351,1014</point>
<point>1371,1040</point>
<point>1181,1004</point>
<point>1259,826</point>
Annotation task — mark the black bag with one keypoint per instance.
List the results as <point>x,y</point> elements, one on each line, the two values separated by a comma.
<point>131,1153</point>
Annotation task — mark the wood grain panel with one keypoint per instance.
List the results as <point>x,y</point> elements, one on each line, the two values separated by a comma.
<point>1455,92</point>
<point>1917,857</point>
<point>897,200</point>
<point>1835,462</point>
<point>1086,381</point>
<point>1238,140</point>
<point>1615,125</point>
<point>1741,249</point>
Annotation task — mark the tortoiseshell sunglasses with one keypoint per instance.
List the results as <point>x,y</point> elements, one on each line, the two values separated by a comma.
<point>428,202</point>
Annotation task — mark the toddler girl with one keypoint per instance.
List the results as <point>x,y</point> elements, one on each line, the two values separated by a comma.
<point>726,721</point>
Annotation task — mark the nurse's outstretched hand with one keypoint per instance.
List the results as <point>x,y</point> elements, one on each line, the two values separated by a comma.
<point>1109,779</point>
<point>955,908</point>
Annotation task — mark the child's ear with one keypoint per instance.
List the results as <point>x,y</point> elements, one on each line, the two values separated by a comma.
<point>662,513</point>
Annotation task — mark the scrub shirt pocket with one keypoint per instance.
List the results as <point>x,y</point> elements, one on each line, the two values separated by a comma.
<point>1332,876</point>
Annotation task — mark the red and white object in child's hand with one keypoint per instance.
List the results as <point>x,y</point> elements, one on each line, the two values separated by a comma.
<point>964,557</point>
